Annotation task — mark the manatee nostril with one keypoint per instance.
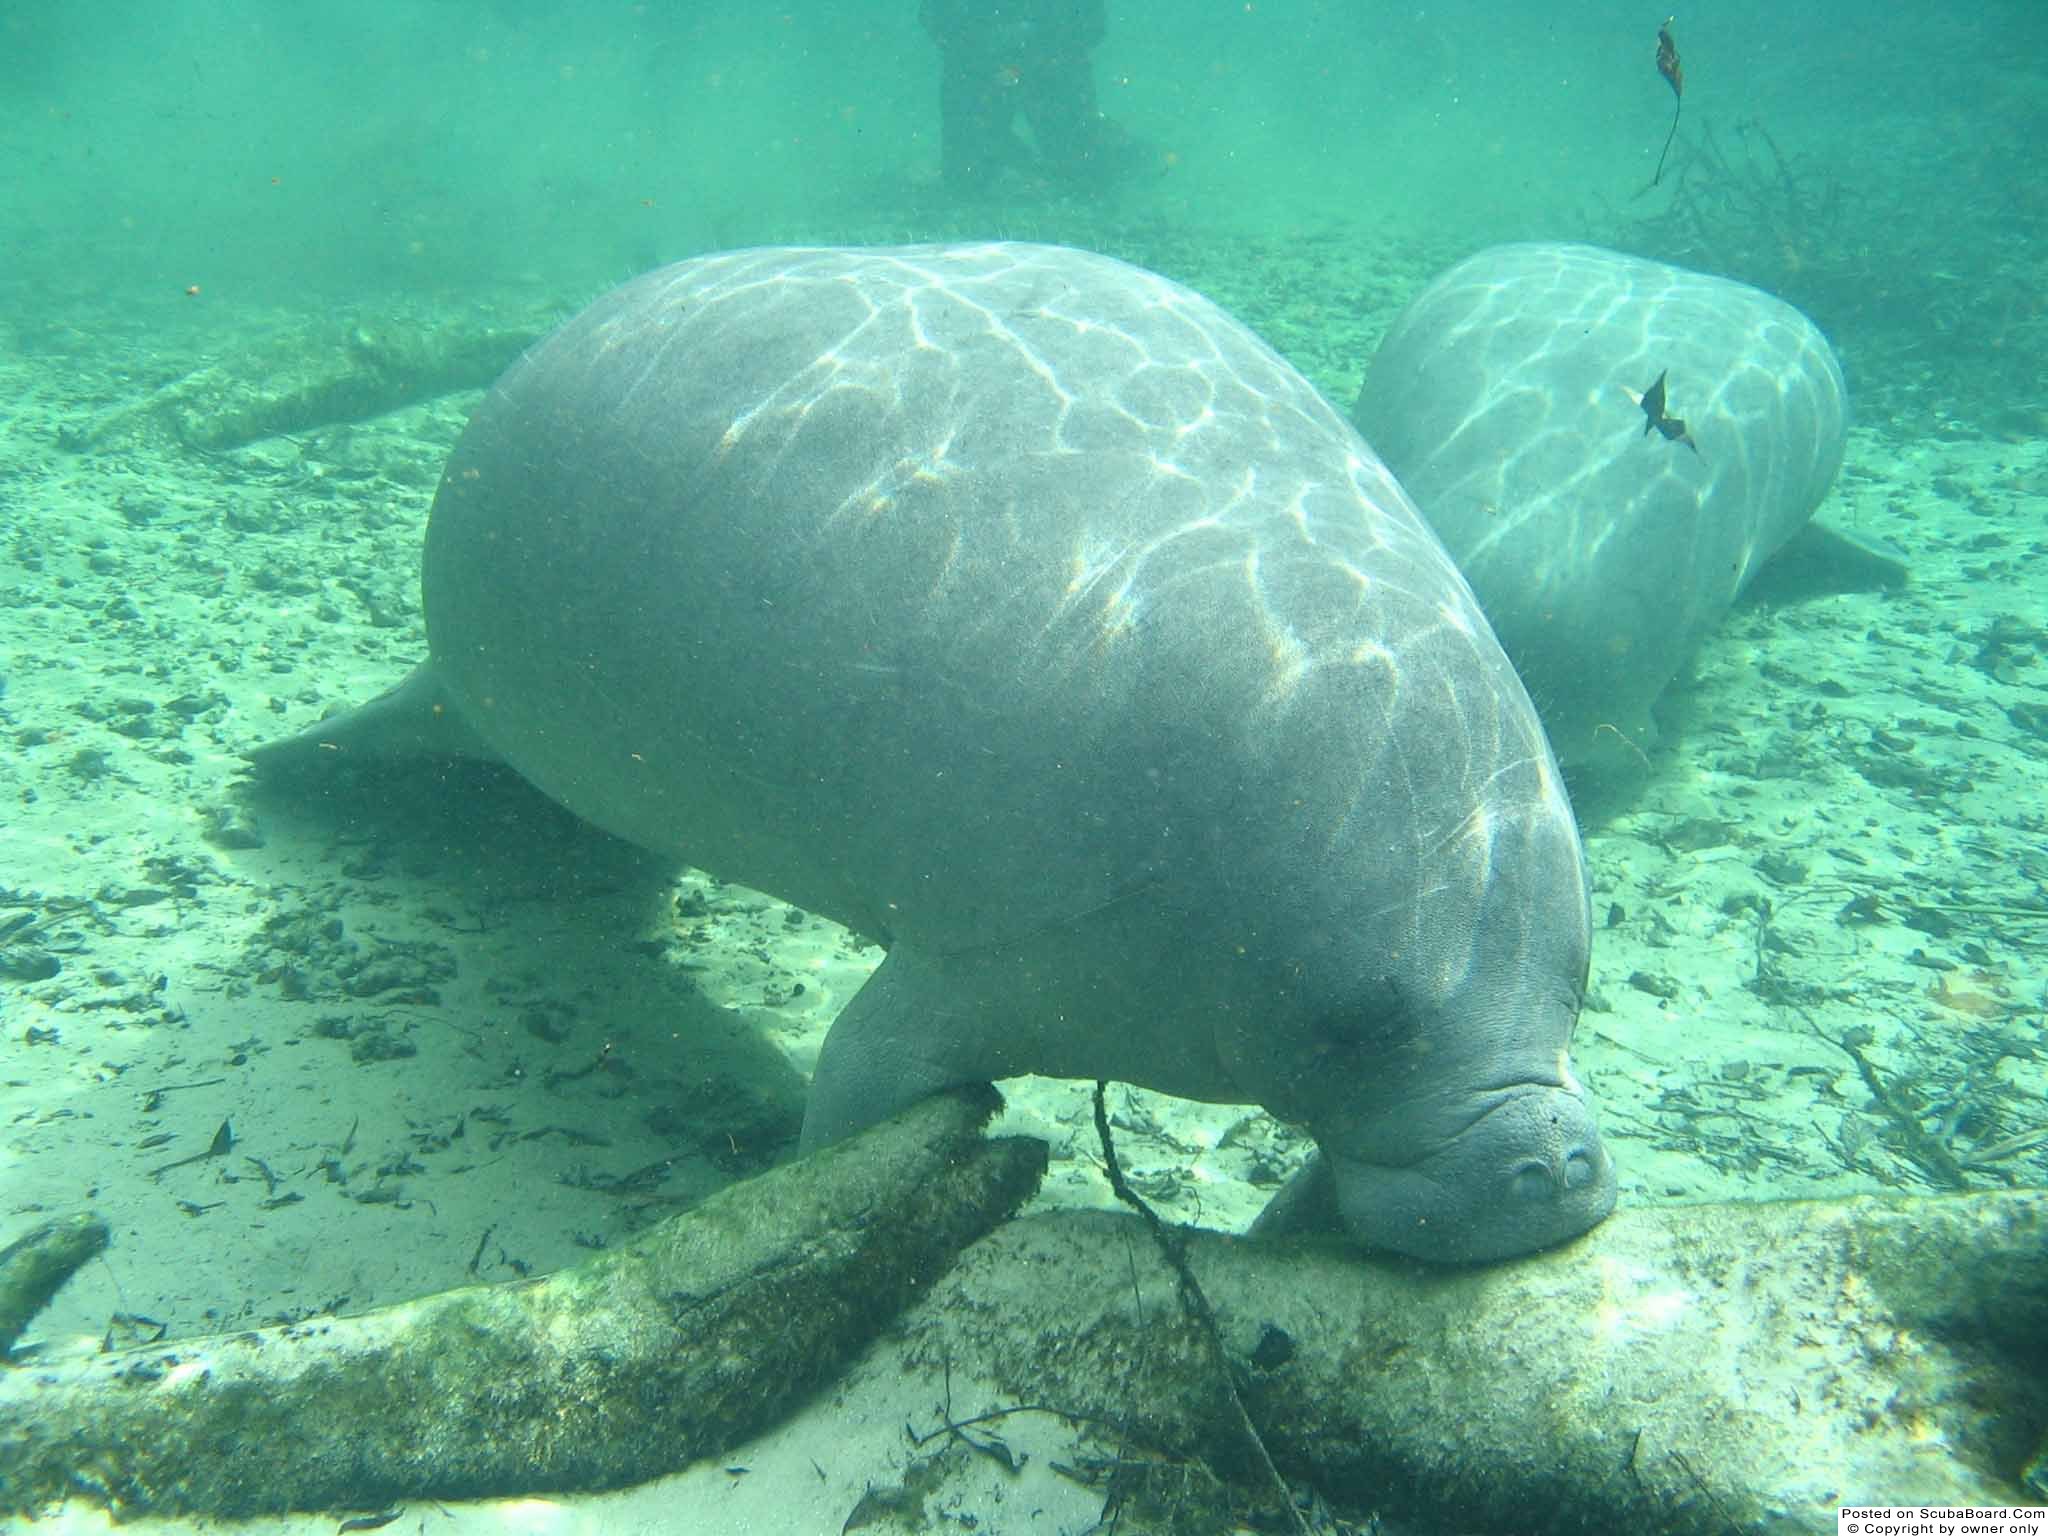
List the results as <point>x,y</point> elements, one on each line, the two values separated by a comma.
<point>1580,1169</point>
<point>1531,1181</point>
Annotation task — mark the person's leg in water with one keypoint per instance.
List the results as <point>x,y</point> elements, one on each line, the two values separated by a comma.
<point>1076,142</point>
<point>977,107</point>
<point>1003,58</point>
<point>1057,95</point>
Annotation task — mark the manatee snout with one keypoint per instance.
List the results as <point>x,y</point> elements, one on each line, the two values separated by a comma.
<point>1529,1173</point>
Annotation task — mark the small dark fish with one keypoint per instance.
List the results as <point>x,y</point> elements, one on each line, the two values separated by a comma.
<point>1651,401</point>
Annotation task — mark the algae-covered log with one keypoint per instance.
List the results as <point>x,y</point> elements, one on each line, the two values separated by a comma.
<point>306,374</point>
<point>1702,1369</point>
<point>673,1347</point>
<point>35,1266</point>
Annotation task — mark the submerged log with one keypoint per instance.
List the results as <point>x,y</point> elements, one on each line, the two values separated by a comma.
<point>1692,1370</point>
<point>307,374</point>
<point>34,1267</point>
<point>1686,1369</point>
<point>675,1346</point>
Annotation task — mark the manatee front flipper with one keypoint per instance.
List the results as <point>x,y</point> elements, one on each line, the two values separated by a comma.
<point>415,719</point>
<point>1306,1203</point>
<point>1821,558</point>
<point>889,1047</point>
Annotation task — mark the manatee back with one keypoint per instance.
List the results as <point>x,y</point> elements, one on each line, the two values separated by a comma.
<point>952,591</point>
<point>1504,399</point>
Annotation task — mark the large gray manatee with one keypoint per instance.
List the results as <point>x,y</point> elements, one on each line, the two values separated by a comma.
<point>1506,398</point>
<point>1023,610</point>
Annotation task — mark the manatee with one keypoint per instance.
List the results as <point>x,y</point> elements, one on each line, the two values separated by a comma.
<point>1019,608</point>
<point>1505,397</point>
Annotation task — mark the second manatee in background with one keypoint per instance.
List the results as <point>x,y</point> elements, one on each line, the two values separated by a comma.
<point>1508,398</point>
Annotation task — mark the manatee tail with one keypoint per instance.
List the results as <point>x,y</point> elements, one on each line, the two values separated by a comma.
<point>415,719</point>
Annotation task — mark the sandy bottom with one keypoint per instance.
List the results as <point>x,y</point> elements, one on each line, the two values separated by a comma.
<point>453,1035</point>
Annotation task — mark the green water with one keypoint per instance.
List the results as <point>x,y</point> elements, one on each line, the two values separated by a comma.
<point>257,260</point>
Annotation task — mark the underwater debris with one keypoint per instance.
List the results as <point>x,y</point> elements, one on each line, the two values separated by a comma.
<point>1783,222</point>
<point>657,1352</point>
<point>223,1142</point>
<point>1673,71</point>
<point>1926,1150</point>
<point>34,1267</point>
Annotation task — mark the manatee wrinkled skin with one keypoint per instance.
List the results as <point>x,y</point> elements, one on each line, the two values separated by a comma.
<point>1020,608</point>
<point>1504,397</point>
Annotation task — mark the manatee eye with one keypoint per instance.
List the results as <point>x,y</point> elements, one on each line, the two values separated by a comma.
<point>1579,1169</point>
<point>1531,1182</point>
<point>1333,1057</point>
